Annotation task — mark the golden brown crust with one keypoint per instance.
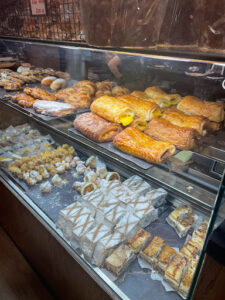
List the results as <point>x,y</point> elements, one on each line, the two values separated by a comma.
<point>164,257</point>
<point>105,85</point>
<point>111,109</point>
<point>139,240</point>
<point>96,128</point>
<point>87,84</point>
<point>161,98</point>
<point>213,126</point>
<point>214,111</point>
<point>134,142</point>
<point>64,93</point>
<point>143,109</point>
<point>53,108</point>
<point>40,94</point>
<point>181,119</point>
<point>174,270</point>
<point>163,130</point>
<point>80,99</point>
<point>120,91</point>
<point>188,276</point>
<point>139,124</point>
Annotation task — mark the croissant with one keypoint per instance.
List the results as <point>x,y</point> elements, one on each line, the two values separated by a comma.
<point>133,141</point>
<point>214,111</point>
<point>87,84</point>
<point>104,85</point>
<point>119,91</point>
<point>161,98</point>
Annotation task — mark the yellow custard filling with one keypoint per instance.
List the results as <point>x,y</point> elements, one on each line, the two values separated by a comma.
<point>107,134</point>
<point>126,120</point>
<point>142,127</point>
<point>157,113</point>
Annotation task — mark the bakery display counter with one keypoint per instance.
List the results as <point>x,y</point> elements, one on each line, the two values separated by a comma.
<point>131,195</point>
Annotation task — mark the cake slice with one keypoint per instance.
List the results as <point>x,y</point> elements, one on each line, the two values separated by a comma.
<point>188,276</point>
<point>105,246</point>
<point>150,253</point>
<point>174,271</point>
<point>89,241</point>
<point>146,213</point>
<point>65,213</point>
<point>82,227</point>
<point>156,197</point>
<point>190,249</point>
<point>73,219</point>
<point>164,258</point>
<point>139,240</point>
<point>128,225</point>
<point>119,260</point>
<point>114,215</point>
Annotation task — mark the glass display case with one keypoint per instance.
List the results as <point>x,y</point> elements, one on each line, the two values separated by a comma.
<point>128,221</point>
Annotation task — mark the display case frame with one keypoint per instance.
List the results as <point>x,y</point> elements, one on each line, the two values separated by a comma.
<point>209,201</point>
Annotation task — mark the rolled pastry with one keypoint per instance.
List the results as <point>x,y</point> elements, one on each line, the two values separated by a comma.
<point>133,141</point>
<point>161,98</point>
<point>90,177</point>
<point>87,188</point>
<point>139,124</point>
<point>40,94</point>
<point>181,119</point>
<point>85,84</point>
<point>119,91</point>
<point>141,95</point>
<point>163,130</point>
<point>113,109</point>
<point>214,111</point>
<point>143,109</point>
<point>96,128</point>
<point>48,80</point>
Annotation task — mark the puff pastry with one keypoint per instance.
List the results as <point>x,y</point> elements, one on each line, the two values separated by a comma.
<point>139,124</point>
<point>85,84</point>
<point>213,126</point>
<point>141,95</point>
<point>214,111</point>
<point>188,276</point>
<point>113,109</point>
<point>181,119</point>
<point>40,94</point>
<point>133,141</point>
<point>119,91</point>
<point>63,94</point>
<point>143,109</point>
<point>164,258</point>
<point>161,98</point>
<point>174,271</point>
<point>96,128</point>
<point>150,253</point>
<point>53,108</point>
<point>163,130</point>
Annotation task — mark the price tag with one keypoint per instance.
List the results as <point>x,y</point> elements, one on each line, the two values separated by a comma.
<point>38,7</point>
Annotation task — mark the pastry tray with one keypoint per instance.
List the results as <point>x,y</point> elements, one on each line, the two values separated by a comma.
<point>136,283</point>
<point>109,146</point>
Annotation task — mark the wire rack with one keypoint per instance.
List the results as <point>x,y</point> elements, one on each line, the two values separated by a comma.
<point>61,22</point>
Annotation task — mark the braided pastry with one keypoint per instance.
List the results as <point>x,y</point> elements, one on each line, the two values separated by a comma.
<point>38,93</point>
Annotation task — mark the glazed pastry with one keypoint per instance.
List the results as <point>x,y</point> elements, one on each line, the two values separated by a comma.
<point>96,128</point>
<point>113,109</point>
<point>188,277</point>
<point>48,80</point>
<point>139,240</point>
<point>58,84</point>
<point>104,85</point>
<point>12,86</point>
<point>63,94</point>
<point>191,249</point>
<point>134,142</point>
<point>23,99</point>
<point>181,119</point>
<point>118,91</point>
<point>162,130</point>
<point>86,85</point>
<point>161,98</point>
<point>144,110</point>
<point>141,95</point>
<point>139,124</point>
<point>214,111</point>
<point>39,94</point>
<point>174,271</point>
<point>100,93</point>
<point>53,108</point>
<point>120,259</point>
<point>151,251</point>
<point>164,258</point>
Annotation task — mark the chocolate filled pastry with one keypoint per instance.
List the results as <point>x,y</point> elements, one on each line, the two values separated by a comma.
<point>139,124</point>
<point>134,142</point>
<point>53,108</point>
<point>161,129</point>
<point>118,91</point>
<point>181,119</point>
<point>161,98</point>
<point>96,128</point>
<point>214,111</point>
<point>113,110</point>
<point>40,94</point>
<point>86,84</point>
<point>143,109</point>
